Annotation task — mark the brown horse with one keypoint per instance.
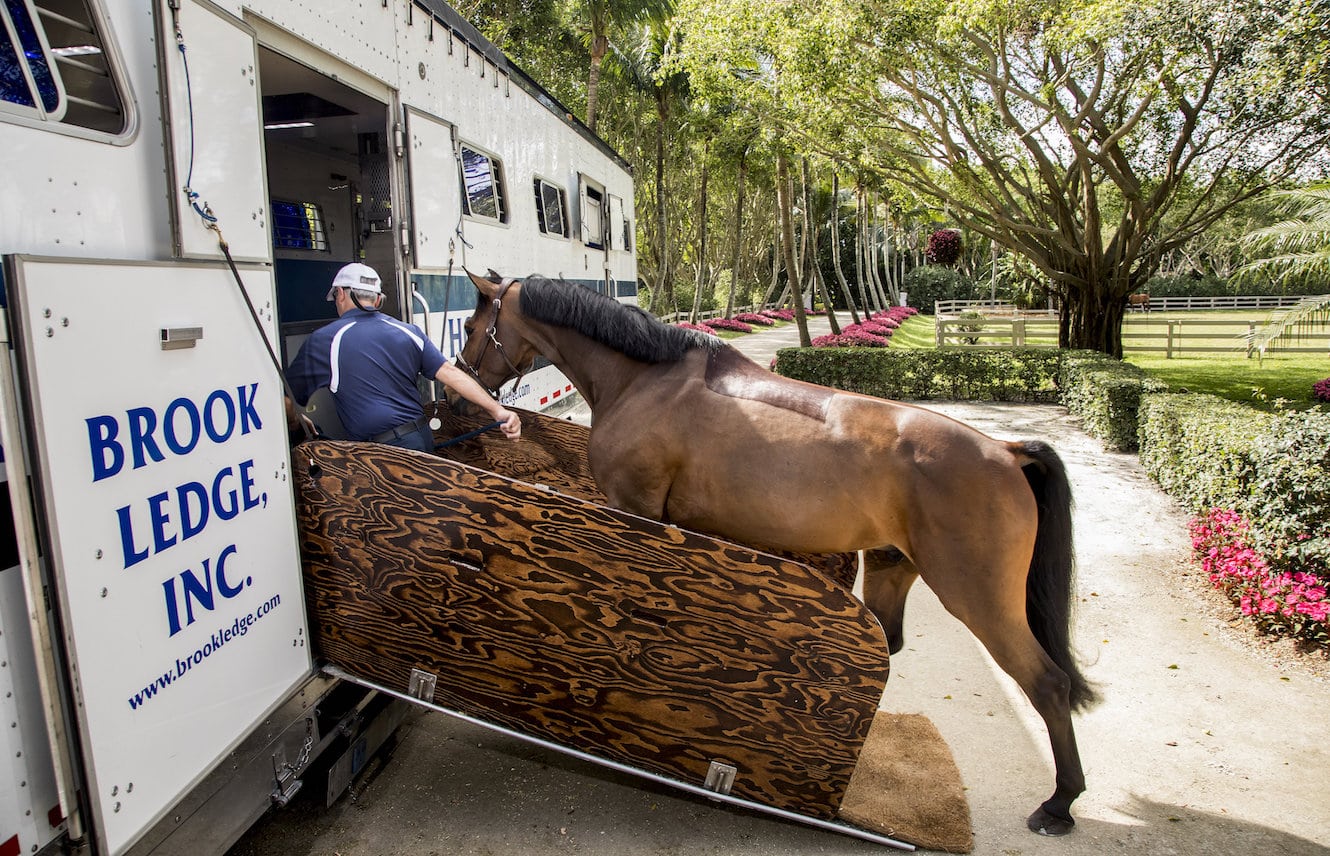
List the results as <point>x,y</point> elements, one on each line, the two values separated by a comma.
<point>687,430</point>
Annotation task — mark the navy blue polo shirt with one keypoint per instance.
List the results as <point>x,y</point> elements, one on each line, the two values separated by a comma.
<point>370,361</point>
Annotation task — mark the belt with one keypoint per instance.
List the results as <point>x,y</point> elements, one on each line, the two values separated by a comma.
<point>401,431</point>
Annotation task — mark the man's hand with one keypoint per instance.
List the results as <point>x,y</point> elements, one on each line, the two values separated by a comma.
<point>512,423</point>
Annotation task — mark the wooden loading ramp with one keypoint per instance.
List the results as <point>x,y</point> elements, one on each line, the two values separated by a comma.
<point>519,605</point>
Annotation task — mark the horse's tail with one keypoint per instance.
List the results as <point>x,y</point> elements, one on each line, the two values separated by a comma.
<point>1049,588</point>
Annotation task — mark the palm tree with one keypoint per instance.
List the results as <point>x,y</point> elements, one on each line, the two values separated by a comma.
<point>602,16</point>
<point>1294,248</point>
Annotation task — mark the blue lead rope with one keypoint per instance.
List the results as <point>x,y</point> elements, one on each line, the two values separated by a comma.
<point>468,435</point>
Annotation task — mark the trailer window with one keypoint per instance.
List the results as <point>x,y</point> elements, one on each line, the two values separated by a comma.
<point>482,180</point>
<point>298,226</point>
<point>55,66</point>
<point>552,208</point>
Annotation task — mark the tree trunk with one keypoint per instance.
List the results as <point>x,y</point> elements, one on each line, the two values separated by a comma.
<point>818,281</point>
<point>835,246</point>
<point>859,233</point>
<point>738,229</point>
<point>1091,319</point>
<point>785,204</point>
<point>600,45</point>
<point>664,284</point>
<point>702,274</point>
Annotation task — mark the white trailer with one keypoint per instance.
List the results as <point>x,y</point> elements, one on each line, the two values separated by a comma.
<point>159,692</point>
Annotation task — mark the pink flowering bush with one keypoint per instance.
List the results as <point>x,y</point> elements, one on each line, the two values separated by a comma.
<point>696,327</point>
<point>1285,603</point>
<point>755,319</point>
<point>1321,390</point>
<point>779,314</point>
<point>851,337</point>
<point>728,324</point>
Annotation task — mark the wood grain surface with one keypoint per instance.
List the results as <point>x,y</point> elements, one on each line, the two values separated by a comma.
<point>573,622</point>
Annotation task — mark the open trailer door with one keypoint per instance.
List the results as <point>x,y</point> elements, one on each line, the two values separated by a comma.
<point>170,531</point>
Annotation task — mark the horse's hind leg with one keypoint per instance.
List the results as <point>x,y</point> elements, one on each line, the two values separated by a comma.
<point>888,575</point>
<point>984,586</point>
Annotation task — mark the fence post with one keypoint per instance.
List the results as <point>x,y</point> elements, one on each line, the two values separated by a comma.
<point>1018,332</point>
<point>1251,336</point>
<point>938,335</point>
<point>1168,349</point>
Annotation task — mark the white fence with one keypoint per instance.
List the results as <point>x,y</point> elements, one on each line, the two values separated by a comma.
<point>952,308</point>
<point>1141,333</point>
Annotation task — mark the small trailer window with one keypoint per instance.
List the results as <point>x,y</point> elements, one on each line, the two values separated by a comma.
<point>552,208</point>
<point>298,226</point>
<point>482,179</point>
<point>55,66</point>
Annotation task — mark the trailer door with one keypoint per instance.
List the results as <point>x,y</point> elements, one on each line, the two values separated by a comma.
<point>436,196</point>
<point>161,468</point>
<point>214,131</point>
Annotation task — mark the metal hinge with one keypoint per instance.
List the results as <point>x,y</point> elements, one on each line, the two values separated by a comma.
<point>720,777</point>
<point>421,685</point>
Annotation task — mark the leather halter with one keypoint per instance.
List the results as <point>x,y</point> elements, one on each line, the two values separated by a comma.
<point>491,337</point>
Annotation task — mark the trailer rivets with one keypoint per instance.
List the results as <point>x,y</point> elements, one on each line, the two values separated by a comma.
<point>104,592</point>
<point>49,332</point>
<point>115,789</point>
<point>99,554</point>
<point>129,788</point>
<point>64,322</point>
<point>46,313</point>
<point>117,807</point>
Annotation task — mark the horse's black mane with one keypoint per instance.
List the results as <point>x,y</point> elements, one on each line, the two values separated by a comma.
<point>631,331</point>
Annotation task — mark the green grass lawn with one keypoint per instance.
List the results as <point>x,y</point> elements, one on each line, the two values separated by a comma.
<point>918,331</point>
<point>1289,378</point>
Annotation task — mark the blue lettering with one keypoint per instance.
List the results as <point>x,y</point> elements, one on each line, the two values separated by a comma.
<point>132,556</point>
<point>159,518</point>
<point>169,426</point>
<point>247,411</point>
<point>209,419</point>
<point>142,423</point>
<point>227,591</point>
<point>200,591</point>
<point>102,431</point>
<point>224,512</point>
<point>172,613</point>
<point>189,524</point>
<point>247,482</point>
<point>195,589</point>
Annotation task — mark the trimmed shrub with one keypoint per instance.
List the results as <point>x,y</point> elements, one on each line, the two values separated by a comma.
<point>1200,448</point>
<point>1321,390</point>
<point>1005,374</point>
<point>1106,394</point>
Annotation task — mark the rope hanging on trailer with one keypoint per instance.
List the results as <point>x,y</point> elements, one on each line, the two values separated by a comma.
<point>204,211</point>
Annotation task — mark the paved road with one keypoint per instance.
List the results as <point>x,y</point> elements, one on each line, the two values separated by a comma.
<point>1203,746</point>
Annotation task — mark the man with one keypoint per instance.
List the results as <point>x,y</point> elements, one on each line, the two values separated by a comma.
<point>370,362</point>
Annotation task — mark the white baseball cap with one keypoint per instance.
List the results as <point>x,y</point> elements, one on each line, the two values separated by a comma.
<point>357,276</point>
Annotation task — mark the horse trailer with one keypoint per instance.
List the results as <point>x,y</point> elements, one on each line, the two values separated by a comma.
<point>185,177</point>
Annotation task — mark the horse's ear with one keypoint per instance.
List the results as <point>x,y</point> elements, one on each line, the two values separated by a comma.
<point>487,287</point>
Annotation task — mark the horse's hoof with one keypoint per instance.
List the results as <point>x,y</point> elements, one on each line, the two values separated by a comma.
<point>1043,823</point>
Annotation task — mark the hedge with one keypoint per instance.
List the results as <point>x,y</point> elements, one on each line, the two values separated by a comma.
<point>1106,394</point>
<point>1103,391</point>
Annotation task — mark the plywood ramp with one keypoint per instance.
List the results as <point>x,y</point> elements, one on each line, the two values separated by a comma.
<point>576,623</point>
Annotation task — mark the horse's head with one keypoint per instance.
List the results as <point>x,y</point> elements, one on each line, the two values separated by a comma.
<point>496,349</point>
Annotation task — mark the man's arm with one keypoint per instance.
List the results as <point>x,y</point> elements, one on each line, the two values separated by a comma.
<point>467,387</point>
